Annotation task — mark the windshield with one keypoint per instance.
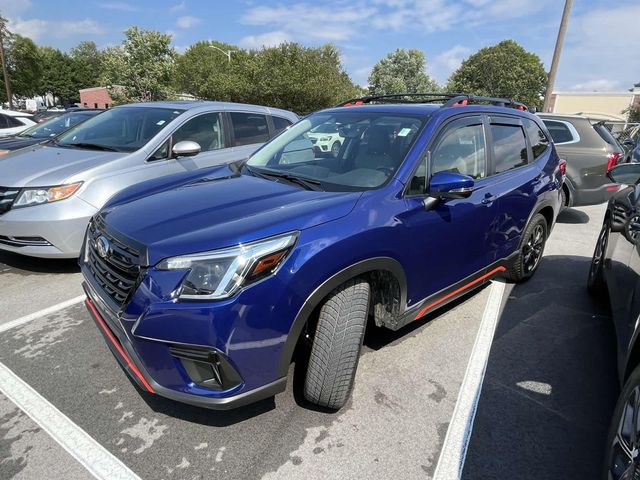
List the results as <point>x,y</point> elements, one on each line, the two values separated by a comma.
<point>122,129</point>
<point>56,125</point>
<point>361,151</point>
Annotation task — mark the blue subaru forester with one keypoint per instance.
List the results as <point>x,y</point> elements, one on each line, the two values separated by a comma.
<point>204,283</point>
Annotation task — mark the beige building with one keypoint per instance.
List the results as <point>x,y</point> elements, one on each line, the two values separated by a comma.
<point>604,105</point>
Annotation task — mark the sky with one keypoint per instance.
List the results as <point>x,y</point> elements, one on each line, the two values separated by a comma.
<point>599,53</point>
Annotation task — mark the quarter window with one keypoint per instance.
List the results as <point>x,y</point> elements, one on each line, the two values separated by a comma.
<point>249,128</point>
<point>509,147</point>
<point>537,138</point>
<point>205,130</point>
<point>559,131</point>
<point>462,150</point>
<point>280,124</point>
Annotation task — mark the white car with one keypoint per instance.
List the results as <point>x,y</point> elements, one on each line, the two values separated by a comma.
<point>12,123</point>
<point>326,138</point>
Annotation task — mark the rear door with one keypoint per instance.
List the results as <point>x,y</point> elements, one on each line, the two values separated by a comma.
<point>515,180</point>
<point>248,131</point>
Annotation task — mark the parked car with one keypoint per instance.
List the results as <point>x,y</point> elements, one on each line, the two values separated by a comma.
<point>203,286</point>
<point>12,123</point>
<point>590,151</point>
<point>615,273</point>
<point>50,192</point>
<point>42,132</point>
<point>45,115</point>
<point>632,148</point>
<point>326,139</point>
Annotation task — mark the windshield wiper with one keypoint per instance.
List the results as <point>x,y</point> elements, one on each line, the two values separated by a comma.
<point>304,182</point>
<point>89,146</point>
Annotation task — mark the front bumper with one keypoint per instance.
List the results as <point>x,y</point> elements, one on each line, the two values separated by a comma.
<point>122,348</point>
<point>59,226</point>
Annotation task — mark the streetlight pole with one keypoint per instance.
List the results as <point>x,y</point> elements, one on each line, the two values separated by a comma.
<point>227,53</point>
<point>556,54</point>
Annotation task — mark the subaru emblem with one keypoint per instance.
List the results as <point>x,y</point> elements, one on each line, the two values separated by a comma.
<point>103,247</point>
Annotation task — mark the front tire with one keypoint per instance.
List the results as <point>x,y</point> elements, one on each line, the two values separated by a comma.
<point>623,440</point>
<point>595,282</point>
<point>336,345</point>
<point>531,249</point>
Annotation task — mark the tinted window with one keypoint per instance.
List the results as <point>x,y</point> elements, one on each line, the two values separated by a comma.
<point>280,124</point>
<point>3,122</point>
<point>249,128</point>
<point>606,135</point>
<point>162,153</point>
<point>124,129</point>
<point>461,150</point>
<point>14,122</point>
<point>559,131</point>
<point>509,147</point>
<point>374,146</point>
<point>537,138</point>
<point>205,130</point>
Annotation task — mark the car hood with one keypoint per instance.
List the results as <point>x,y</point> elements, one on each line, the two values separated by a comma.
<point>46,165</point>
<point>218,211</point>
<point>14,143</point>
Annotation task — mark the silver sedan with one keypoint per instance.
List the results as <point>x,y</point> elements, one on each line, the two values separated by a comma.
<point>48,193</point>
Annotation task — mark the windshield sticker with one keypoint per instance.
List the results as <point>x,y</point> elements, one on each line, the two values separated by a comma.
<point>404,132</point>
<point>161,122</point>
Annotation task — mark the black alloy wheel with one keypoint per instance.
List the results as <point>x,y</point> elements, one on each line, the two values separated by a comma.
<point>532,249</point>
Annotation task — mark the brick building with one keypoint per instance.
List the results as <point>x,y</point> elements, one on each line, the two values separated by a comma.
<point>96,97</point>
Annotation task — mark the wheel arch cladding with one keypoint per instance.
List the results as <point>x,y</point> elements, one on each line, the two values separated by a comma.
<point>364,267</point>
<point>547,213</point>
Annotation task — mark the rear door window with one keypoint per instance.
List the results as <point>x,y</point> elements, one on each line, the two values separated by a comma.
<point>249,128</point>
<point>560,131</point>
<point>537,138</point>
<point>509,147</point>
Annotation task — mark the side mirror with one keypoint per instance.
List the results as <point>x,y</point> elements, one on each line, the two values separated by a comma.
<point>626,173</point>
<point>450,185</point>
<point>186,148</point>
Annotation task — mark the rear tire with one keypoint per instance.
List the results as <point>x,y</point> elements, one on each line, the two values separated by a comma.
<point>530,251</point>
<point>564,198</point>
<point>336,345</point>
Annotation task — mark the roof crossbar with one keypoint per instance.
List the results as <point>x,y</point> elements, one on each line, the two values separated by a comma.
<point>447,99</point>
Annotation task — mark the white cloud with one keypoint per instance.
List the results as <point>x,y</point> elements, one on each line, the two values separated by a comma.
<point>36,28</point>
<point>445,63</point>
<point>188,21</point>
<point>178,7</point>
<point>601,51</point>
<point>120,6</point>
<point>11,8</point>
<point>269,39</point>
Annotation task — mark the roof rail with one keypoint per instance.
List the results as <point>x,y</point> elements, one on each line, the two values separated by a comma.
<point>448,99</point>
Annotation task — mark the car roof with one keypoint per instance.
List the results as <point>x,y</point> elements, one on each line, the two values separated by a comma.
<point>430,108</point>
<point>204,105</point>
<point>13,113</point>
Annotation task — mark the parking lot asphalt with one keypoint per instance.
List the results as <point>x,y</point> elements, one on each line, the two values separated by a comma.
<point>548,390</point>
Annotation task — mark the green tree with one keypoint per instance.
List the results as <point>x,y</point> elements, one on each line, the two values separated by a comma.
<point>141,69</point>
<point>87,64</point>
<point>402,71</point>
<point>503,70</point>
<point>58,74</point>
<point>24,66</point>
<point>207,73</point>
<point>298,78</point>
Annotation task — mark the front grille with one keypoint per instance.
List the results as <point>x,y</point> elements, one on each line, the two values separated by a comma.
<point>7,196</point>
<point>116,272</point>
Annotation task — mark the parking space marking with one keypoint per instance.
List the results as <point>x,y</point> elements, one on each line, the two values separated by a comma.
<point>454,450</point>
<point>91,455</point>
<point>41,313</point>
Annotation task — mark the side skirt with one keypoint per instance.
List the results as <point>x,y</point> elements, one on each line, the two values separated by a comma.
<point>449,294</point>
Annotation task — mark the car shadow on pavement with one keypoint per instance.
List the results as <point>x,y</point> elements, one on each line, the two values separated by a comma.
<point>21,263</point>
<point>570,215</point>
<point>551,381</point>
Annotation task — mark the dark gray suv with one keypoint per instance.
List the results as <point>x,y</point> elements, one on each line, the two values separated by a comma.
<point>590,151</point>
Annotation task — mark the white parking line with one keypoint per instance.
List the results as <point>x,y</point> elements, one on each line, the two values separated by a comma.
<point>456,442</point>
<point>47,311</point>
<point>93,456</point>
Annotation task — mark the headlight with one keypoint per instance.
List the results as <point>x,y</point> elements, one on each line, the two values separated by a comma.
<point>221,273</point>
<point>38,196</point>
<point>325,139</point>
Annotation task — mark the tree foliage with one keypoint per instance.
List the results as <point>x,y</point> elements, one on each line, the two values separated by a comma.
<point>402,71</point>
<point>58,74</point>
<point>141,69</point>
<point>24,66</point>
<point>87,64</point>
<point>503,70</point>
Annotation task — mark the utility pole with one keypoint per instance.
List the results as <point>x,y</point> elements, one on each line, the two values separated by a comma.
<point>4,34</point>
<point>556,54</point>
